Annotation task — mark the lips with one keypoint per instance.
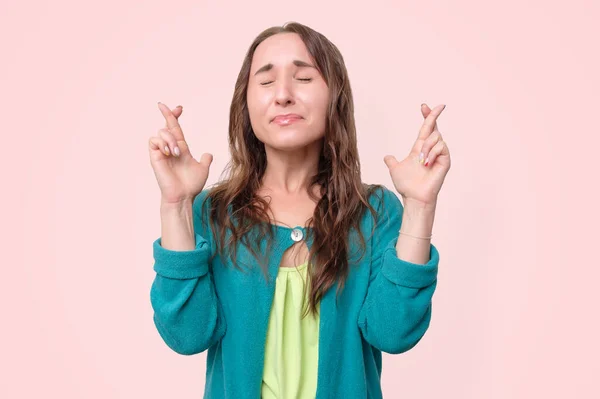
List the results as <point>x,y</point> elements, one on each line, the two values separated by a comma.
<point>287,118</point>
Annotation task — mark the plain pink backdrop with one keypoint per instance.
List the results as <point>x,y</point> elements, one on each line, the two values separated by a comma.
<point>515,314</point>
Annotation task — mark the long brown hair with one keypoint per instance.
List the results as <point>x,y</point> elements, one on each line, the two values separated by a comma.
<point>235,206</point>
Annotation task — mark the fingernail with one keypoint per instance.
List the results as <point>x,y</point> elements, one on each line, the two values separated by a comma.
<point>177,152</point>
<point>179,106</point>
<point>427,161</point>
<point>167,149</point>
<point>421,155</point>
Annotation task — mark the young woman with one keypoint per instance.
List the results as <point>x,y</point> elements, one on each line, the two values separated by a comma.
<point>291,272</point>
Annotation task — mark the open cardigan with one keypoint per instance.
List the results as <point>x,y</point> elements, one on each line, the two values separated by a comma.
<point>385,306</point>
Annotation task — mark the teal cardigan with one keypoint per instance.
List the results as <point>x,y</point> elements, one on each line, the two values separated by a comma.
<point>385,307</point>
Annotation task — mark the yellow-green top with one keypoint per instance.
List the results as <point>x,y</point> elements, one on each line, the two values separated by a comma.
<point>292,346</point>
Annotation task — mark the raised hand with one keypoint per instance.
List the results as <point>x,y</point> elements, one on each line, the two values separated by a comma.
<point>419,177</point>
<point>180,177</point>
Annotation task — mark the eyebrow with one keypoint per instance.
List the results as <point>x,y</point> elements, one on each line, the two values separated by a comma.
<point>298,63</point>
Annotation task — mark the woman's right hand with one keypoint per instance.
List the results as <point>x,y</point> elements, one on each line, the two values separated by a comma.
<point>180,177</point>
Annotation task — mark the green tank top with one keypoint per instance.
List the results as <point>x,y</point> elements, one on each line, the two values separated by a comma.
<point>292,346</point>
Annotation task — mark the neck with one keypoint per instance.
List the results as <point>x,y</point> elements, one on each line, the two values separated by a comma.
<point>290,172</point>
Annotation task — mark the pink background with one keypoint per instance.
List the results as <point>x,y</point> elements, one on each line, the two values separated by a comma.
<point>515,314</point>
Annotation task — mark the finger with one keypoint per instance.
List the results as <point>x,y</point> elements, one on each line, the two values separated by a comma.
<point>430,120</point>
<point>177,111</point>
<point>171,120</point>
<point>425,110</point>
<point>169,138</point>
<point>440,148</point>
<point>158,144</point>
<point>390,161</point>
<point>428,144</point>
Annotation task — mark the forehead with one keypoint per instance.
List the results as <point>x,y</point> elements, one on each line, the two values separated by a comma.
<point>280,50</point>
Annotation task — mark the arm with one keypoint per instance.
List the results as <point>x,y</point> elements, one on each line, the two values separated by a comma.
<point>187,312</point>
<point>397,308</point>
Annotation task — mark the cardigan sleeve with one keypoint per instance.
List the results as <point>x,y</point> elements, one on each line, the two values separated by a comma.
<point>187,312</point>
<point>396,311</point>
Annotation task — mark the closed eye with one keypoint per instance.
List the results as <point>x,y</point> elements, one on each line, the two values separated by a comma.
<point>301,79</point>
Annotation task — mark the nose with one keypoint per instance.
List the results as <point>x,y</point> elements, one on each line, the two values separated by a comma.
<point>283,94</point>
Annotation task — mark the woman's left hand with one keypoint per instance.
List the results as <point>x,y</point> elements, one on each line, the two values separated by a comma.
<point>419,177</point>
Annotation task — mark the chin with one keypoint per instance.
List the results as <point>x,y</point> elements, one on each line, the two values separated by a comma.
<point>289,138</point>
<point>288,142</point>
<point>290,145</point>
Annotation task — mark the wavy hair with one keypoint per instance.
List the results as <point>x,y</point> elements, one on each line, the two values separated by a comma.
<point>236,208</point>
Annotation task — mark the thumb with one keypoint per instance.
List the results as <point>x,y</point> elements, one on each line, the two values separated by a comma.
<point>206,159</point>
<point>390,160</point>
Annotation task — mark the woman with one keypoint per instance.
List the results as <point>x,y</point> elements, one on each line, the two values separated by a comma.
<point>246,269</point>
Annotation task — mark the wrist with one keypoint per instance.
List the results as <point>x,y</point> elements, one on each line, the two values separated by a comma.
<point>179,205</point>
<point>417,221</point>
<point>417,206</point>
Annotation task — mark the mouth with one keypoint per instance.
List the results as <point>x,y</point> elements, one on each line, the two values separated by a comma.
<point>284,120</point>
<point>286,116</point>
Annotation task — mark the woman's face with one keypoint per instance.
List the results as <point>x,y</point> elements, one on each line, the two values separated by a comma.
<point>283,80</point>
